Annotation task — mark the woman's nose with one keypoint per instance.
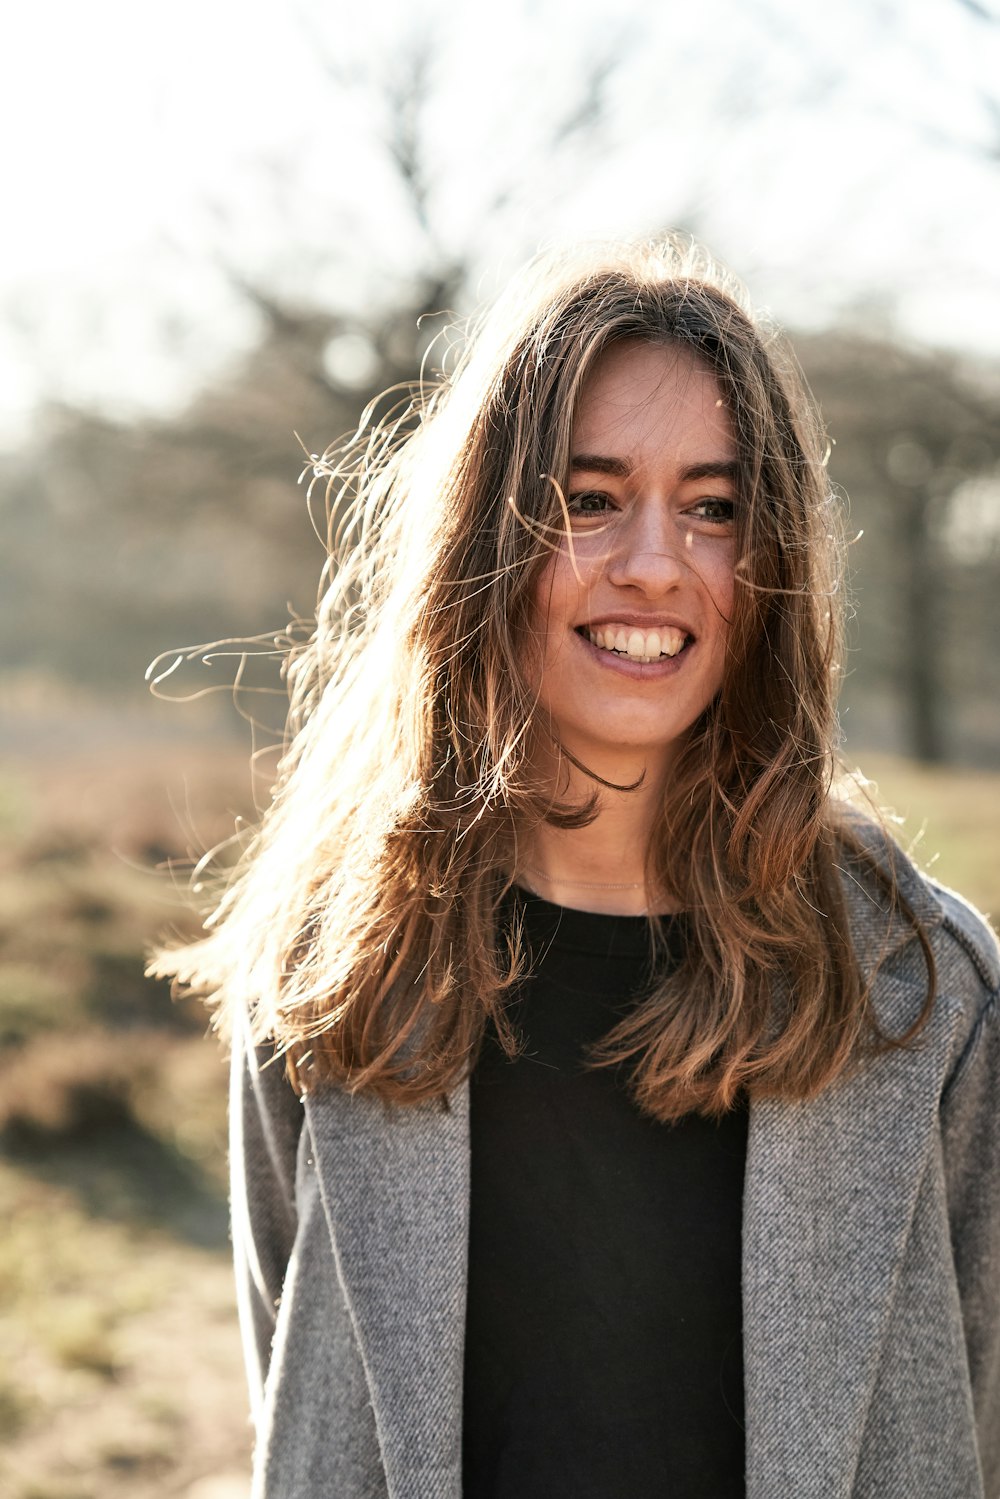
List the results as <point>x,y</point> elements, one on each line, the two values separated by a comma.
<point>649,551</point>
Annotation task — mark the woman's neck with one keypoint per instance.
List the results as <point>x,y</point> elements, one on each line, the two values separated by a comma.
<point>600,867</point>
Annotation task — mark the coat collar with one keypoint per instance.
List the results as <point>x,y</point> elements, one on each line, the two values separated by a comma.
<point>395,1188</point>
<point>879,928</point>
<point>830,1188</point>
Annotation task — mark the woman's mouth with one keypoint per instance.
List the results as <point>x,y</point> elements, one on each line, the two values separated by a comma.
<point>637,645</point>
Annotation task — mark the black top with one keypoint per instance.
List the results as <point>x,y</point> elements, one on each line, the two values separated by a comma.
<point>603,1340</point>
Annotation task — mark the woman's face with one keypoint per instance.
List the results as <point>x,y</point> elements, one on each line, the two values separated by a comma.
<point>632,610</point>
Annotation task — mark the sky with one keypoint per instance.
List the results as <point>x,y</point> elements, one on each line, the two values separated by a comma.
<point>840,160</point>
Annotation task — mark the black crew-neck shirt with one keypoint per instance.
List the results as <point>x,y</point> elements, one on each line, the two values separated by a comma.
<point>603,1335</point>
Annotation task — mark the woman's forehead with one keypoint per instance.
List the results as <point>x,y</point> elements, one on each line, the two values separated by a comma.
<point>642,395</point>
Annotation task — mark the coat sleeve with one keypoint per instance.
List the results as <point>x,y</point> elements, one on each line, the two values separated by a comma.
<point>970,1116</point>
<point>265,1122</point>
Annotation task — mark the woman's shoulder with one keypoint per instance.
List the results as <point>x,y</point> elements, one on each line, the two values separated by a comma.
<point>966,936</point>
<point>894,909</point>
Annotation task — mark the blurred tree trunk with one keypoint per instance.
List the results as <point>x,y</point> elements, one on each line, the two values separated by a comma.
<point>924,626</point>
<point>912,427</point>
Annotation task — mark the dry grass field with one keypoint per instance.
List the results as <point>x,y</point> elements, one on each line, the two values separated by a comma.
<point>121,1373</point>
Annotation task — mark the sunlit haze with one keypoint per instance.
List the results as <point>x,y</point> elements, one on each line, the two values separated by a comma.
<point>836,159</point>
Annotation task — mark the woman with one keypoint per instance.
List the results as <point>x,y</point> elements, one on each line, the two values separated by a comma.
<point>612,1108</point>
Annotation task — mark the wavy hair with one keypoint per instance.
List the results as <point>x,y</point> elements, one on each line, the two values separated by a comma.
<point>363,924</point>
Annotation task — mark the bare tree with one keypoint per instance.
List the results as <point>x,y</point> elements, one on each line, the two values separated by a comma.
<point>910,428</point>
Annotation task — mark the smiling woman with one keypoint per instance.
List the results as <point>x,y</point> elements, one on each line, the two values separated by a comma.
<point>633,617</point>
<point>613,1109</point>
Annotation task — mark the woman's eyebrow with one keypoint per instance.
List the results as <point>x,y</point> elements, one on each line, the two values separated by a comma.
<point>621,468</point>
<point>594,463</point>
<point>727,468</point>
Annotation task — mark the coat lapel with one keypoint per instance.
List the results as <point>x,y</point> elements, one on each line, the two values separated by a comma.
<point>831,1186</point>
<point>395,1186</point>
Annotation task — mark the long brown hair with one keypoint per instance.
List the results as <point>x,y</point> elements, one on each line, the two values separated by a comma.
<point>362,926</point>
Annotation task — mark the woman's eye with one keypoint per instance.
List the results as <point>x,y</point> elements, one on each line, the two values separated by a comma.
<point>588,502</point>
<point>714,509</point>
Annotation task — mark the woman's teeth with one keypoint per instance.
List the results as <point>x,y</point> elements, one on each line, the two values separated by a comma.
<point>638,645</point>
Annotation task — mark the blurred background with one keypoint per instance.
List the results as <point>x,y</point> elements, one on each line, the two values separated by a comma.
<point>227,228</point>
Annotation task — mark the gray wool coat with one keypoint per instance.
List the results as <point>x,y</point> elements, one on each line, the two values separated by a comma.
<point>871,1261</point>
